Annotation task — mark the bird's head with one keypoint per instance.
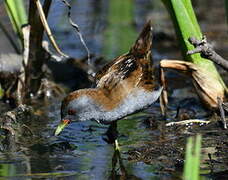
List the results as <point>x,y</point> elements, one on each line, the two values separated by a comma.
<point>77,106</point>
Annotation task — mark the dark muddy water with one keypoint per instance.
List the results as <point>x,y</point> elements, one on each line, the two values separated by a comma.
<point>149,150</point>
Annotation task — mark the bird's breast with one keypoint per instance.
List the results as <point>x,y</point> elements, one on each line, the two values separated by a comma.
<point>134,101</point>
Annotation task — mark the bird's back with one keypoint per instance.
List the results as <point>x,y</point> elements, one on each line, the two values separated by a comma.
<point>131,70</point>
<point>124,86</point>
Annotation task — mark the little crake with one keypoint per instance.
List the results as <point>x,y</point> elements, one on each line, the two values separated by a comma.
<point>123,86</point>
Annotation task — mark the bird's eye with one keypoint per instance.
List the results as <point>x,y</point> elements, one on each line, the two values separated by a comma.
<point>71,112</point>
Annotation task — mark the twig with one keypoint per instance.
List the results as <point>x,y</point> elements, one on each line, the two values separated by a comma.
<point>206,50</point>
<point>225,106</point>
<point>189,121</point>
<point>21,77</point>
<point>47,29</point>
<point>222,113</point>
<point>74,25</point>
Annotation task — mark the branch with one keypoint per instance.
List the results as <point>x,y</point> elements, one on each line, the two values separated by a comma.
<point>206,50</point>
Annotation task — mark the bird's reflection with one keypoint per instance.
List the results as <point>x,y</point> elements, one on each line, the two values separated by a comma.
<point>119,172</point>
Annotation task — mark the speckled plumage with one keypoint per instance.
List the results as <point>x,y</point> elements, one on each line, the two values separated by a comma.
<point>123,86</point>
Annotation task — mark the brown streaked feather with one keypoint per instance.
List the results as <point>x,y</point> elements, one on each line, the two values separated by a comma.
<point>138,59</point>
<point>118,72</point>
<point>120,77</point>
<point>143,44</point>
<point>141,48</point>
<point>113,90</point>
<point>104,70</point>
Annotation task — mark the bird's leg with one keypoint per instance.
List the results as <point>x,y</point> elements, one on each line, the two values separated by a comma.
<point>116,145</point>
<point>115,135</point>
<point>112,135</point>
<point>115,159</point>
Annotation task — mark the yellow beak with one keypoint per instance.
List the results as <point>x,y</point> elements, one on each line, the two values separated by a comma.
<point>61,126</point>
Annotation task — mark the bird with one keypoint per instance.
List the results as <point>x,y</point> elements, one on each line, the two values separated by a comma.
<point>123,86</point>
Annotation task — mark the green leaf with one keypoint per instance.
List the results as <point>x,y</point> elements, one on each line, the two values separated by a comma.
<point>1,92</point>
<point>16,12</point>
<point>188,159</point>
<point>186,25</point>
<point>189,8</point>
<point>192,158</point>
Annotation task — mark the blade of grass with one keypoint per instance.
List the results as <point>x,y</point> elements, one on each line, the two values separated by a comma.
<point>17,14</point>
<point>192,158</point>
<point>188,6</point>
<point>196,153</point>
<point>188,159</point>
<point>21,13</point>
<point>183,25</point>
<point>1,92</point>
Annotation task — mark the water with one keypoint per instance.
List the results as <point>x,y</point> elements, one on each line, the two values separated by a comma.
<point>149,150</point>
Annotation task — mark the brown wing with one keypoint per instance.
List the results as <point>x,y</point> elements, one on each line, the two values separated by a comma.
<point>137,62</point>
<point>117,72</point>
<point>106,67</point>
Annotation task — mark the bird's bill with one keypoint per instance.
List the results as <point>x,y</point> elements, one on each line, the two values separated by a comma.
<point>61,126</point>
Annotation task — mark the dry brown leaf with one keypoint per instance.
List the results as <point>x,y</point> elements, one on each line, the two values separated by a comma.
<point>206,84</point>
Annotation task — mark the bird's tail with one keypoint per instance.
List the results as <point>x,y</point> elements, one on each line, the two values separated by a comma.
<point>143,44</point>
